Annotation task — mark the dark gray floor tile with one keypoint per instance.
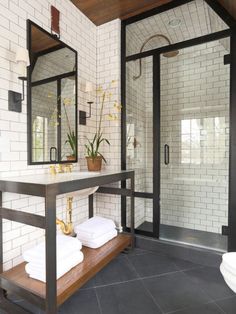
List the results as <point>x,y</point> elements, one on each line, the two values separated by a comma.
<point>126,298</point>
<point>228,305</point>
<point>151,264</point>
<point>209,308</point>
<point>211,281</point>
<point>175,291</point>
<point>119,270</point>
<point>82,302</point>
<point>184,265</point>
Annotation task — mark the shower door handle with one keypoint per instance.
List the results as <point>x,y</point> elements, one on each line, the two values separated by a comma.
<point>166,154</point>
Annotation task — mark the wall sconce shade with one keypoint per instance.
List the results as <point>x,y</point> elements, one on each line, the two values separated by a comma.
<point>22,55</point>
<point>82,114</point>
<point>22,60</point>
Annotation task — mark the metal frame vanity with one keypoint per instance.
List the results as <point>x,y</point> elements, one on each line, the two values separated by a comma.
<point>51,295</point>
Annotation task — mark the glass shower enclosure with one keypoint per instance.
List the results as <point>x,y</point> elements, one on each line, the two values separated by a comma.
<point>177,141</point>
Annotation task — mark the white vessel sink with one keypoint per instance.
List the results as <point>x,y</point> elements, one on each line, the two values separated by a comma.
<point>81,174</point>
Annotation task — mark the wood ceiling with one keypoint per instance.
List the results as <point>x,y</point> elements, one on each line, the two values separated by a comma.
<point>102,11</point>
<point>230,6</point>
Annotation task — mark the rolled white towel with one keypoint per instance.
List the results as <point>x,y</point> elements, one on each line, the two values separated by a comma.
<point>65,246</point>
<point>99,241</point>
<point>95,227</point>
<point>65,265</point>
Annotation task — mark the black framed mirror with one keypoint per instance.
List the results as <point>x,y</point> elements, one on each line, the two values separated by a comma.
<point>52,99</point>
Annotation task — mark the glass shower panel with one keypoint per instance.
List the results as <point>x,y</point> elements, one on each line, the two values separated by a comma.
<point>195,142</point>
<point>139,136</point>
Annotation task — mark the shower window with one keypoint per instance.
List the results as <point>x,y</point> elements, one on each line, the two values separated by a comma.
<point>202,140</point>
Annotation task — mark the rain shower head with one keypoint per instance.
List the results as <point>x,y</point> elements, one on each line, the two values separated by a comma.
<point>169,54</point>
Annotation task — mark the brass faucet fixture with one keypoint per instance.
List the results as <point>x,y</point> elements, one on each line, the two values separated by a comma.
<point>61,168</point>
<point>67,227</point>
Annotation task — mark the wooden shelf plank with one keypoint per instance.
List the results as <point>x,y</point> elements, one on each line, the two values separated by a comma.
<point>94,261</point>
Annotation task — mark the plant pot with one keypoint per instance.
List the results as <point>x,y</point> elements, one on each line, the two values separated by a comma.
<point>70,158</point>
<point>94,164</point>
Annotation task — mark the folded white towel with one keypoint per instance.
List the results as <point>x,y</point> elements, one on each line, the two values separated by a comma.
<point>85,238</point>
<point>63,267</point>
<point>95,227</point>
<point>65,246</point>
<point>98,242</point>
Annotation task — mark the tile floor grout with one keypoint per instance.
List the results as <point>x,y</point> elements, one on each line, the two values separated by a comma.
<point>98,301</point>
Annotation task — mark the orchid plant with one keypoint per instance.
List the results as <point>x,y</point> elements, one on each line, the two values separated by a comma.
<point>71,136</point>
<point>93,146</point>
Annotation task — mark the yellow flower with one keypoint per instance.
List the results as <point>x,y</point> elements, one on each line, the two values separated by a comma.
<point>67,101</point>
<point>110,117</point>
<point>113,83</point>
<point>117,106</point>
<point>99,89</point>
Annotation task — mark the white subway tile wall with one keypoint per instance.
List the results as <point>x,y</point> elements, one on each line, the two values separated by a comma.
<point>98,60</point>
<point>108,69</point>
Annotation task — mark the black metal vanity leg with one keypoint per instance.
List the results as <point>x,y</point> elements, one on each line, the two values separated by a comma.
<point>1,247</point>
<point>51,262</point>
<point>91,212</point>
<point>132,222</point>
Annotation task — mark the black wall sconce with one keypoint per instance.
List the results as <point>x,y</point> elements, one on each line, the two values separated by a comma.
<point>82,114</point>
<point>15,99</point>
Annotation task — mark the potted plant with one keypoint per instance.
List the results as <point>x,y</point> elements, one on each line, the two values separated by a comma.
<point>71,136</point>
<point>94,156</point>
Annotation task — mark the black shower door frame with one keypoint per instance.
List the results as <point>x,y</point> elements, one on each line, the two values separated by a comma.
<point>229,230</point>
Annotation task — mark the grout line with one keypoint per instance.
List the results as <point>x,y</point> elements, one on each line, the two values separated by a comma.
<point>225,298</point>
<point>135,279</point>
<point>140,277</point>
<point>98,301</point>
<point>220,308</point>
<point>113,284</point>
<point>152,297</point>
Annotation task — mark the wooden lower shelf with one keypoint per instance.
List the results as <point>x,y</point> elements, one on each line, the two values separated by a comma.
<point>94,261</point>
